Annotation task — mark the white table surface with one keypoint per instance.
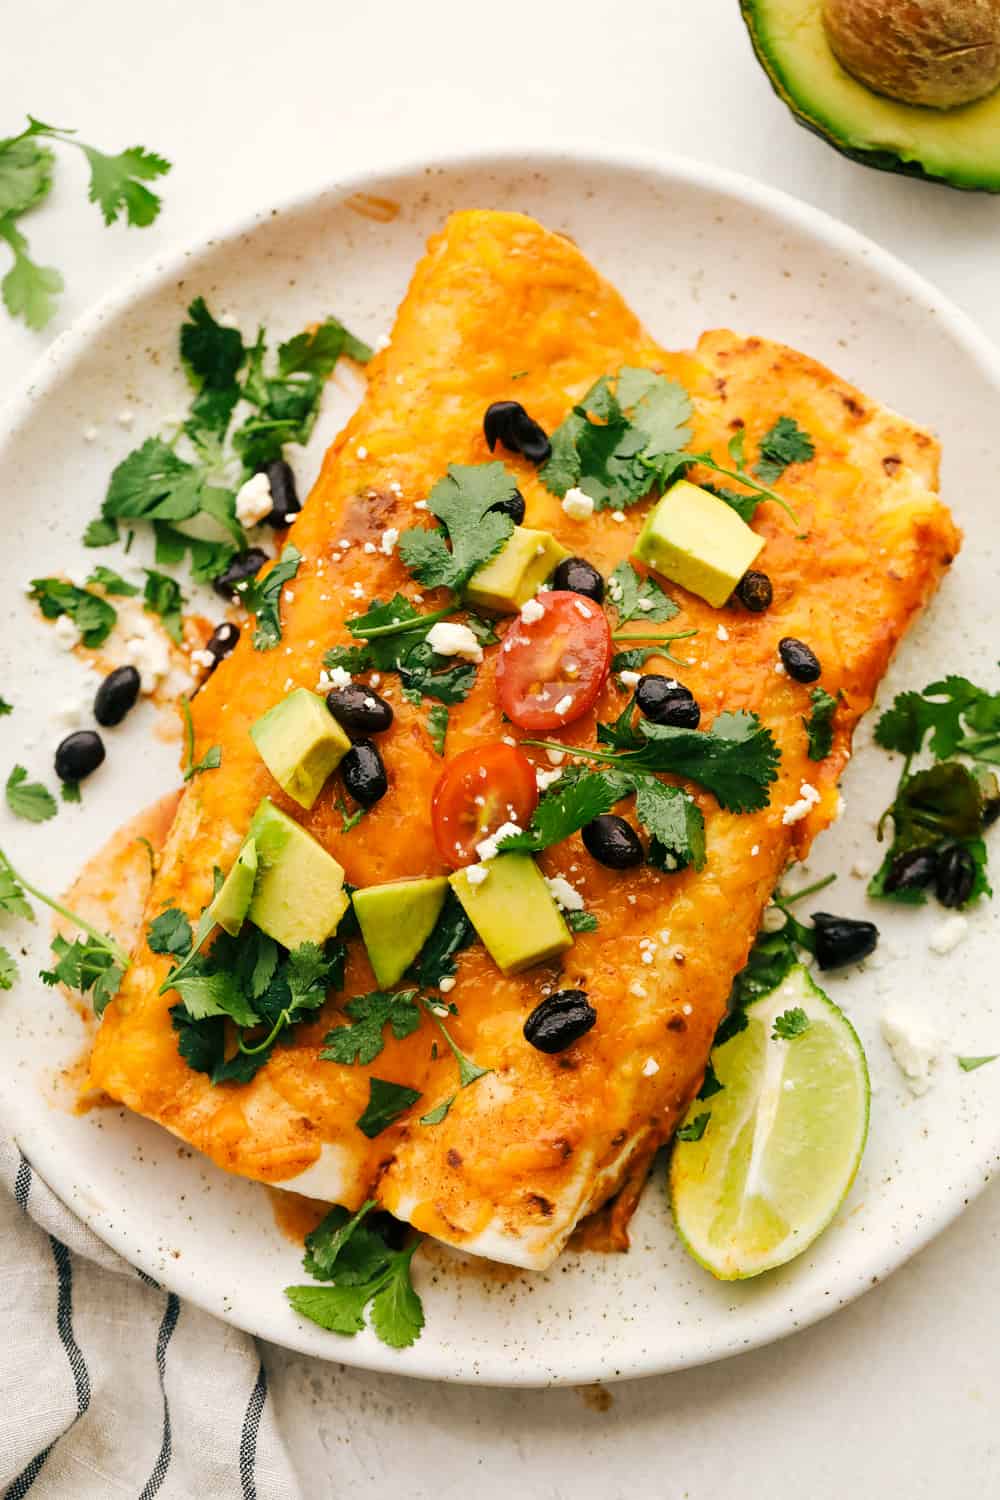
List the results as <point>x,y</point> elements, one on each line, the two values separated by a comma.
<point>897,1395</point>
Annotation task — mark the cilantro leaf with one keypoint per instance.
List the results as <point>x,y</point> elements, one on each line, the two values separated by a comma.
<point>695,1128</point>
<point>437,726</point>
<point>783,444</point>
<point>25,174</point>
<point>213,353</point>
<point>70,791</point>
<point>397,1312</point>
<point>675,823</point>
<point>790,1024</point>
<point>395,640</point>
<point>339,1309</point>
<point>210,761</point>
<point>771,959</point>
<point>387,1101</point>
<point>970,1064</point>
<point>8,969</point>
<point>636,597</point>
<point>610,443</point>
<point>463,502</point>
<point>218,994</point>
<point>468,1069</point>
<point>29,290</point>
<point>93,616</point>
<point>85,965</point>
<point>316,351</point>
<point>200,1043</point>
<point>361,1041</point>
<point>819,724</point>
<point>580,921</point>
<point>163,597</point>
<point>13,902</point>
<point>263,598</point>
<point>116,183</point>
<point>170,932</point>
<point>29,799</point>
<point>5,708</point>
<point>439,1112</point>
<point>452,933</point>
<point>100,532</point>
<point>710,1084</point>
<point>344,1249</point>
<point>111,582</point>
<point>152,483</point>
<point>960,718</point>
<point>566,808</point>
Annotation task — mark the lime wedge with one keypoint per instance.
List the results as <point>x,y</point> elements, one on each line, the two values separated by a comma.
<point>784,1137</point>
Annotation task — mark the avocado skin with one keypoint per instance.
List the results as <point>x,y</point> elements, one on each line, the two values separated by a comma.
<point>879,158</point>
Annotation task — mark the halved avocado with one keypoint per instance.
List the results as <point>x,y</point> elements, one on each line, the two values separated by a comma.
<point>958,146</point>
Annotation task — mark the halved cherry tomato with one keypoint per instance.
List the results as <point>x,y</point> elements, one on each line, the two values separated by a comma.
<point>476,794</point>
<point>550,671</point>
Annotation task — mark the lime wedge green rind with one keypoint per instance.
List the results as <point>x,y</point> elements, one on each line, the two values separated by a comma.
<point>784,1141</point>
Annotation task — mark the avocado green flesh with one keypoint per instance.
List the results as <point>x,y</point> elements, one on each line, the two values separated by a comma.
<point>301,743</point>
<point>236,892</point>
<point>396,920</point>
<point>957,146</point>
<point>299,894</point>
<point>513,912</point>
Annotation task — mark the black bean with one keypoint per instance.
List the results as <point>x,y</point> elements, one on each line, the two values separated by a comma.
<point>222,642</point>
<point>754,591</point>
<point>612,842</point>
<point>578,576</point>
<point>513,507</point>
<point>956,875</point>
<point>283,493</point>
<point>991,811</point>
<point>559,1021</point>
<point>364,773</point>
<point>244,566</point>
<point>911,870</point>
<point>663,700</point>
<point>359,710</point>
<point>79,754</point>
<point>116,695</point>
<point>842,940</point>
<point>799,660</point>
<point>508,423</point>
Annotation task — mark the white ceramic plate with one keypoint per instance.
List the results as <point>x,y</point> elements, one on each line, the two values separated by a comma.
<point>691,248</point>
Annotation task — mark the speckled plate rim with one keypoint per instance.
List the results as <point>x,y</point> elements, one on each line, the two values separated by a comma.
<point>831,234</point>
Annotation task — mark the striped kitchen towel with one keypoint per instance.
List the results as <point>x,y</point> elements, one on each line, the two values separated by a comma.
<point>109,1385</point>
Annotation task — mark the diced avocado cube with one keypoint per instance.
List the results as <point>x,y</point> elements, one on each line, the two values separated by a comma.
<point>513,911</point>
<point>233,900</point>
<point>299,894</point>
<point>698,541</point>
<point>511,578</point>
<point>396,920</point>
<point>300,742</point>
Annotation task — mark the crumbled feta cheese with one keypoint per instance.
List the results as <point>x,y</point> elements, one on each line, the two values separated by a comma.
<point>203,659</point>
<point>375,679</point>
<point>862,868</point>
<point>617,515</point>
<point>126,417</point>
<point>532,611</point>
<point>649,956</point>
<point>447,638</point>
<point>773,919</point>
<point>948,934</point>
<point>370,548</point>
<point>687,1008</point>
<point>390,537</point>
<point>447,984</point>
<point>487,847</point>
<point>66,632</point>
<point>357,591</point>
<point>577,505</point>
<point>563,894</point>
<point>721,633</point>
<point>362,452</point>
<point>564,705</point>
<point>340,677</point>
<point>420,505</point>
<point>779,667</point>
<point>635,988</point>
<point>615,590</point>
<point>149,653</point>
<point>254,500</point>
<point>509,739</point>
<point>915,1046</point>
<point>290,595</point>
<point>583,610</point>
<point>90,435</point>
<point>476,874</point>
<point>70,711</point>
<point>650,1067</point>
<point>545,779</point>
<point>808,798</point>
<point>755,850</point>
<point>645,605</point>
<point>383,342</point>
<point>555,757</point>
<point>630,679</point>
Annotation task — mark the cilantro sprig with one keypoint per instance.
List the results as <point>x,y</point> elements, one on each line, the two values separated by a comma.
<point>392,637</point>
<point>263,598</point>
<point>361,1271</point>
<point>117,186</point>
<point>92,615</point>
<point>464,502</point>
<point>29,799</point>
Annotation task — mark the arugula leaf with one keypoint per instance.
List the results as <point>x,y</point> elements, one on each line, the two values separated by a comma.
<point>387,1101</point>
<point>783,444</point>
<point>610,443</point>
<point>361,1041</point>
<point>85,965</point>
<point>170,932</point>
<point>452,933</point>
<point>463,502</point>
<point>437,726</point>
<point>111,582</point>
<point>635,597</point>
<point>29,799</point>
<point>695,1129</point>
<point>819,724</point>
<point>93,616</point>
<point>790,1024</point>
<point>970,1064</point>
<point>163,597</point>
<point>263,598</point>
<point>8,969</point>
